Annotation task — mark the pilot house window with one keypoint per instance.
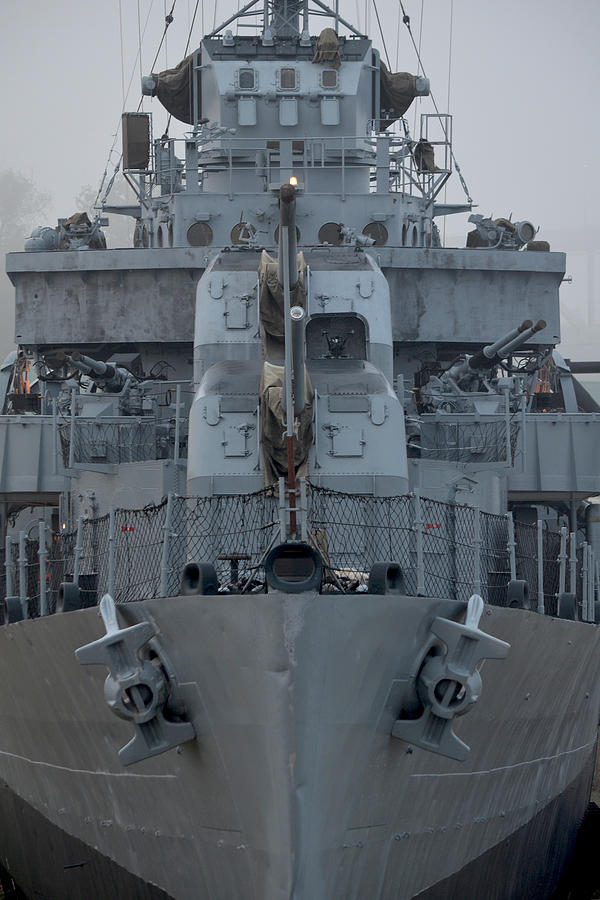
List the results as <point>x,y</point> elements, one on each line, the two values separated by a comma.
<point>246,79</point>
<point>329,78</point>
<point>287,79</point>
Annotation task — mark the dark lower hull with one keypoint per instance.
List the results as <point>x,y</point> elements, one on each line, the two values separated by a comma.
<point>294,788</point>
<point>52,863</point>
<point>525,865</point>
<point>530,862</point>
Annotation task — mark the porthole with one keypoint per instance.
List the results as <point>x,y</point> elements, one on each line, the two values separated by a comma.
<point>276,235</point>
<point>246,79</point>
<point>330,233</point>
<point>200,234</point>
<point>329,78</point>
<point>378,232</point>
<point>242,233</point>
<point>287,79</point>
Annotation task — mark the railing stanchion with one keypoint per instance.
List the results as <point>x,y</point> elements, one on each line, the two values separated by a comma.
<point>72,434</point>
<point>573,563</point>
<point>42,562</point>
<point>418,530</point>
<point>562,562</point>
<point>476,550</point>
<point>282,511</point>
<point>177,422</point>
<point>164,566</point>
<point>8,567</point>
<point>540,566</point>
<point>584,583</point>
<point>111,552</point>
<point>23,573</point>
<point>78,550</point>
<point>511,546</point>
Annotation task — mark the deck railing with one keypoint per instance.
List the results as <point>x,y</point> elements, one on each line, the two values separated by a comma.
<point>444,549</point>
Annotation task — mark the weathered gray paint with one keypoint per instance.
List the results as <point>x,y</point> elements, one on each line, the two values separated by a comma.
<point>294,787</point>
<point>71,297</point>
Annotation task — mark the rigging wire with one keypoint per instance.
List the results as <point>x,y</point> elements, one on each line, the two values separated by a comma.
<point>116,135</point>
<point>140,47</point>
<point>397,42</point>
<point>168,20</point>
<point>185,52</point>
<point>387,55</point>
<point>122,57</point>
<point>406,20</point>
<point>448,97</point>
<point>419,99</point>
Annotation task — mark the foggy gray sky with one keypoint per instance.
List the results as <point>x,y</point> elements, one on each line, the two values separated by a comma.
<point>523,92</point>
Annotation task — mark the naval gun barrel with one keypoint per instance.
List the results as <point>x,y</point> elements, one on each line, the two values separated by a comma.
<point>491,353</point>
<point>287,219</point>
<point>492,349</point>
<point>522,338</point>
<point>298,317</point>
<point>111,378</point>
<point>93,367</point>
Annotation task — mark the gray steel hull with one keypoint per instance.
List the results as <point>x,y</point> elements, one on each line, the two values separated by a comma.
<point>294,787</point>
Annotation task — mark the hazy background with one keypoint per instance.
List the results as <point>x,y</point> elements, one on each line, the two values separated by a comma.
<point>522,77</point>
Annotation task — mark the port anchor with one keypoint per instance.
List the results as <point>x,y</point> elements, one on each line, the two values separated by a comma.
<point>136,689</point>
<point>448,685</point>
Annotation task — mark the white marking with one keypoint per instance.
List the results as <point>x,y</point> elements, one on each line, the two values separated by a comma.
<point>527,762</point>
<point>39,762</point>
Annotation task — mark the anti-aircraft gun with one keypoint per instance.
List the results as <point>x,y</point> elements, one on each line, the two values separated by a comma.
<point>115,390</point>
<point>476,374</point>
<point>105,375</point>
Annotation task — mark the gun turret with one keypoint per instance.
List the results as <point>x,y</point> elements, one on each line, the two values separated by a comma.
<point>110,378</point>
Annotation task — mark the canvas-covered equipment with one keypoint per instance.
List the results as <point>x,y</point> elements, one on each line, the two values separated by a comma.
<point>271,304</point>
<point>397,92</point>
<point>272,428</point>
<point>174,90</point>
<point>424,156</point>
<point>327,52</point>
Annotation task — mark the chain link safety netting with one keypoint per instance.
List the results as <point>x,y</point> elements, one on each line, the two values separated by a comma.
<point>117,442</point>
<point>473,441</point>
<point>443,549</point>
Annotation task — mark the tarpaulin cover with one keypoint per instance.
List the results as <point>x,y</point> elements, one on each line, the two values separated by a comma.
<point>397,92</point>
<point>424,156</point>
<point>174,90</point>
<point>328,49</point>
<point>271,304</point>
<point>272,428</point>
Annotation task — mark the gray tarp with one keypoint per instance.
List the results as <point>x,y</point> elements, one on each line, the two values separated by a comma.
<point>397,92</point>
<point>274,444</point>
<point>327,52</point>
<point>174,90</point>
<point>271,304</point>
